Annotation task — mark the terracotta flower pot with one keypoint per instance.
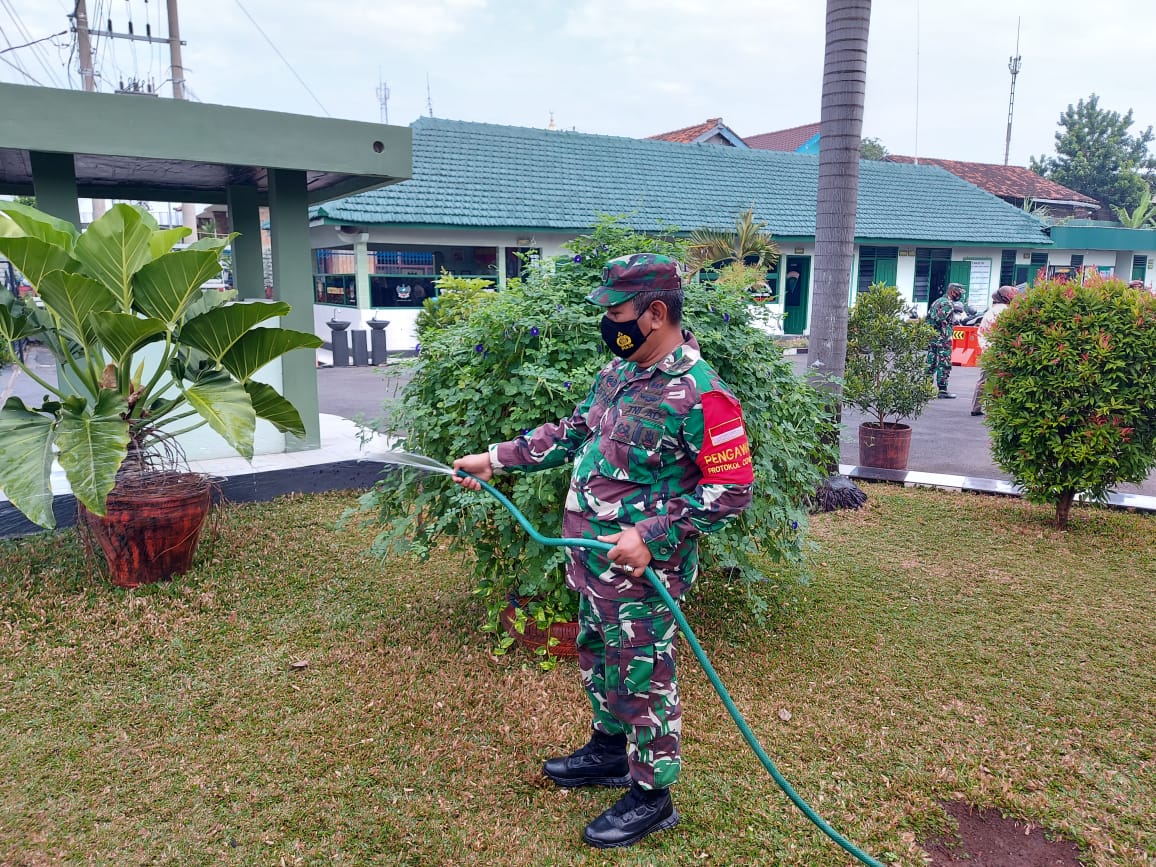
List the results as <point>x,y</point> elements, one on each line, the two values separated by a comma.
<point>885,446</point>
<point>151,530</point>
<point>532,638</point>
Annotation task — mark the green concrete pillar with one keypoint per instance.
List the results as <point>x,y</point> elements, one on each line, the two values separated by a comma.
<point>54,182</point>
<point>502,266</point>
<point>293,283</point>
<point>361,269</point>
<point>245,218</point>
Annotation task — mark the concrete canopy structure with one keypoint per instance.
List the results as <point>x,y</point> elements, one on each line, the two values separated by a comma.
<point>60,145</point>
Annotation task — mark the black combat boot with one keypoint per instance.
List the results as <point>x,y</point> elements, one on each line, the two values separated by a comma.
<point>638,813</point>
<point>602,762</point>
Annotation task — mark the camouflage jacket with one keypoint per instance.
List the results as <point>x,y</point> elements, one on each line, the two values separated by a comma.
<point>940,316</point>
<point>662,449</point>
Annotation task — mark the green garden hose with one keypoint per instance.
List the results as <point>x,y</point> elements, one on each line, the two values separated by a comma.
<point>700,655</point>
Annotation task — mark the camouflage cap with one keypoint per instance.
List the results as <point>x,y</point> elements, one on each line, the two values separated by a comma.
<point>626,276</point>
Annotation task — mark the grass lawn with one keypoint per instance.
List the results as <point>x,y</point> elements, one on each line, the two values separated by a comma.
<point>950,646</point>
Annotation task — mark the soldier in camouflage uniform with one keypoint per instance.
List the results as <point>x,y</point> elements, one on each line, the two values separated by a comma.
<point>660,456</point>
<point>941,317</point>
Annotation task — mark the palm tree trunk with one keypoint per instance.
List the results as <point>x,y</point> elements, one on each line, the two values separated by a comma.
<point>840,132</point>
<point>840,135</point>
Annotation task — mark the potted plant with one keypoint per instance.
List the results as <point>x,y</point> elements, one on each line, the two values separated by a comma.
<point>144,355</point>
<point>886,375</point>
<point>514,359</point>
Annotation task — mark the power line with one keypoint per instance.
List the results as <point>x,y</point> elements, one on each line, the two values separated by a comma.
<point>21,71</point>
<point>241,6</point>
<point>33,42</point>
<point>37,51</point>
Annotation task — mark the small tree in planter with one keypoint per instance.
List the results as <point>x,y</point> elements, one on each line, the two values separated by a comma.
<point>527,356</point>
<point>1070,394</point>
<point>103,296</point>
<point>886,375</point>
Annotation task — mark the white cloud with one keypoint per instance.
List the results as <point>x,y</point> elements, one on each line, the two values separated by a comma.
<point>638,67</point>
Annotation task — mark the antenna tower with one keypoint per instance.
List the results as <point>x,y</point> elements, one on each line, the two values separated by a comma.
<point>1013,66</point>
<point>383,97</point>
<point>428,96</point>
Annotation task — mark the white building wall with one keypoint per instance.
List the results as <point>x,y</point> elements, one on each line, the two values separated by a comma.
<point>905,273</point>
<point>984,278</point>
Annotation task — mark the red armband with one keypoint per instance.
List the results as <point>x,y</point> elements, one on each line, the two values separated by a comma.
<point>725,458</point>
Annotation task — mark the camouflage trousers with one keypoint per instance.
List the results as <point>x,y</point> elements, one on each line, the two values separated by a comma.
<point>939,362</point>
<point>627,653</point>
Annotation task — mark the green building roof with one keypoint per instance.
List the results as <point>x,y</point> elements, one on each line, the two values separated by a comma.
<point>476,175</point>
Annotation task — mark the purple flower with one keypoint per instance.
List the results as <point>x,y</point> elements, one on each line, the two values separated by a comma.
<point>726,317</point>
<point>559,308</point>
<point>566,384</point>
<point>578,258</point>
<point>794,525</point>
<point>534,331</point>
<point>479,348</point>
<point>525,431</point>
<point>417,349</point>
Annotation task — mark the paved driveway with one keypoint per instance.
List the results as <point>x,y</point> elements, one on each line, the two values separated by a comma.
<point>946,438</point>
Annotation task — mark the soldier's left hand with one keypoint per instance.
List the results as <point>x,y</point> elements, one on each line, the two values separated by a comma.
<point>629,550</point>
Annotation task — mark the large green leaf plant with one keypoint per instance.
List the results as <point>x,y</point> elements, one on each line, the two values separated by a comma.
<point>102,297</point>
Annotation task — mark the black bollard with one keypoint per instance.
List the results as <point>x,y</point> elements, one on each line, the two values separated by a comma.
<point>340,342</point>
<point>377,343</point>
<point>360,349</point>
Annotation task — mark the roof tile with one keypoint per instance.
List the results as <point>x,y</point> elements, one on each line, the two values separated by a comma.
<point>1013,182</point>
<point>784,139</point>
<point>485,175</point>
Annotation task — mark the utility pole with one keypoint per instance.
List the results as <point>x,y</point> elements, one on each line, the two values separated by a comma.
<point>88,76</point>
<point>1013,66</point>
<point>188,212</point>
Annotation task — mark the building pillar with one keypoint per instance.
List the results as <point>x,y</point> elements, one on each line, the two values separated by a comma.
<point>502,266</point>
<point>361,270</point>
<point>54,183</point>
<point>293,283</point>
<point>248,261</point>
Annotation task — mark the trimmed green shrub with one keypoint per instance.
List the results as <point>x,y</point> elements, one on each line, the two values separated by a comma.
<point>886,373</point>
<point>457,297</point>
<point>1070,394</point>
<point>528,356</point>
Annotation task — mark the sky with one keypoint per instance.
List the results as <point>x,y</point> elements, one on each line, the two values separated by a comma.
<point>937,70</point>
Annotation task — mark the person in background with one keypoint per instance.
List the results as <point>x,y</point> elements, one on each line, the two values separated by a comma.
<point>1000,299</point>
<point>941,317</point>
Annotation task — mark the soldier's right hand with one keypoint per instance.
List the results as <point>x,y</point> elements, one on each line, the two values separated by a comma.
<point>476,465</point>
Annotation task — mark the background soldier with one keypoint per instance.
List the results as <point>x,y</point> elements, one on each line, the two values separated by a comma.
<point>660,456</point>
<point>940,316</point>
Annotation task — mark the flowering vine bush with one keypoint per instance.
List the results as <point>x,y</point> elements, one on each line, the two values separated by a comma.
<point>1070,395</point>
<point>528,356</point>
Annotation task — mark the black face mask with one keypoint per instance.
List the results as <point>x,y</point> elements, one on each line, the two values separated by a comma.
<point>623,338</point>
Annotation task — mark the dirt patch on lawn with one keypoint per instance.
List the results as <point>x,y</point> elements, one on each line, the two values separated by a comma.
<point>986,839</point>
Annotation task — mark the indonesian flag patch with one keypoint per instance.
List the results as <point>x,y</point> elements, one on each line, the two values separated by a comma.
<point>725,458</point>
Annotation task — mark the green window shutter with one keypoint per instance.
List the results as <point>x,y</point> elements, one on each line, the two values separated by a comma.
<point>1139,267</point>
<point>960,273</point>
<point>886,271</point>
<point>1007,267</point>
